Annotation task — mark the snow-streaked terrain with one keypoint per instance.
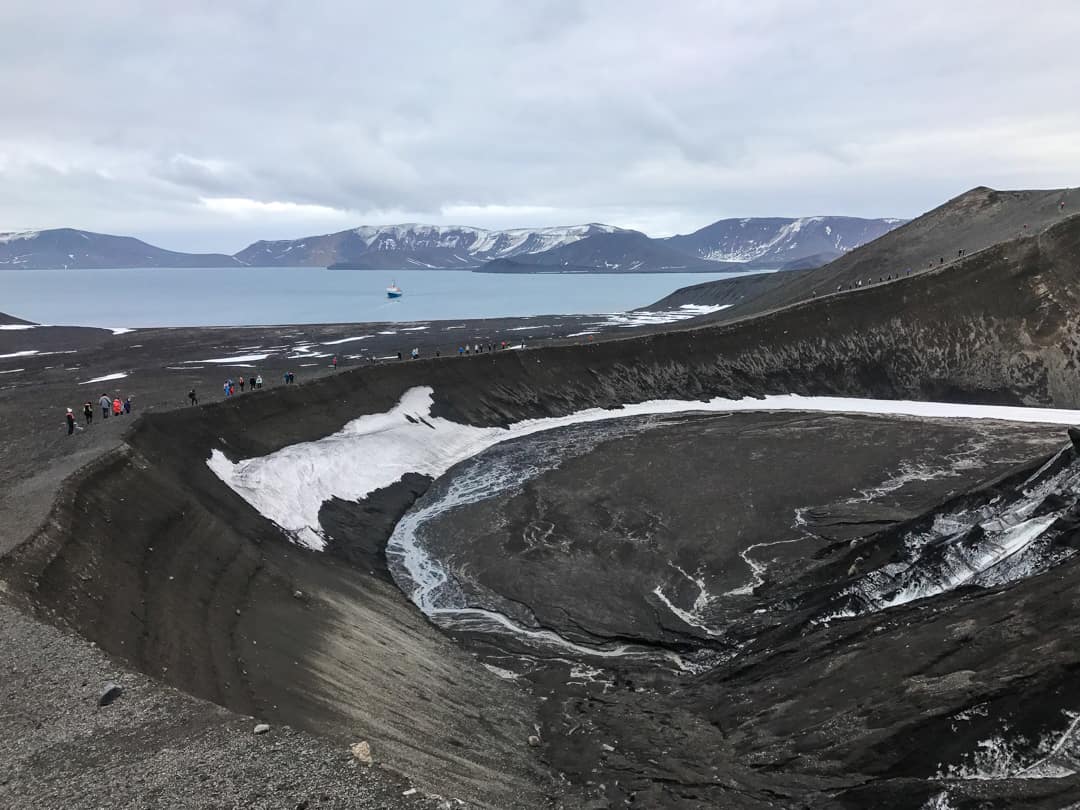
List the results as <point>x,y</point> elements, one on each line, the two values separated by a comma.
<point>242,358</point>
<point>1001,541</point>
<point>475,243</point>
<point>119,375</point>
<point>290,486</point>
<point>374,451</point>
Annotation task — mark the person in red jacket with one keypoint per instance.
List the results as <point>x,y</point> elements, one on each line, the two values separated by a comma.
<point>117,407</point>
<point>70,421</point>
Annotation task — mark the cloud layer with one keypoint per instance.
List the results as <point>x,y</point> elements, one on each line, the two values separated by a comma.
<point>207,125</point>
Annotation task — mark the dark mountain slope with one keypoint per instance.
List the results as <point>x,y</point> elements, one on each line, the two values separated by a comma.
<point>69,248</point>
<point>970,222</point>
<point>11,320</point>
<point>776,241</point>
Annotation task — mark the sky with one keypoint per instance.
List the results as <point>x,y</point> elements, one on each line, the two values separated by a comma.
<point>204,126</point>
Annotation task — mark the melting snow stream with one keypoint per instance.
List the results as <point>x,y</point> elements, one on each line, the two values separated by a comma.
<point>374,451</point>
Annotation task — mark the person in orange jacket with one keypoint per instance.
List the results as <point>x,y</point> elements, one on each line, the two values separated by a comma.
<point>117,407</point>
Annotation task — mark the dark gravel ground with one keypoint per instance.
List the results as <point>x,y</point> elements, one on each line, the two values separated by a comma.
<point>154,746</point>
<point>157,746</point>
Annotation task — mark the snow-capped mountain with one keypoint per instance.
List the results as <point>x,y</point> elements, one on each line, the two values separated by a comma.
<point>617,252</point>
<point>776,241</point>
<point>415,246</point>
<point>725,245</point>
<point>70,248</point>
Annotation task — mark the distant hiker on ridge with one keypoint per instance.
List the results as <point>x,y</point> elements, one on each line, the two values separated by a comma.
<point>88,413</point>
<point>193,397</point>
<point>70,421</point>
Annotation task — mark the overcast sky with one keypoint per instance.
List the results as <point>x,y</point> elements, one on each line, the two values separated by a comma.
<point>207,125</point>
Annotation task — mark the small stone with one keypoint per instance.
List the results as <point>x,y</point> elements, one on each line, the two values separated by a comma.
<point>298,594</point>
<point>534,740</point>
<point>262,728</point>
<point>410,792</point>
<point>110,692</point>
<point>362,752</point>
<point>608,748</point>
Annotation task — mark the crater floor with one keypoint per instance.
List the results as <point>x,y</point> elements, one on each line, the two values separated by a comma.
<point>670,587</point>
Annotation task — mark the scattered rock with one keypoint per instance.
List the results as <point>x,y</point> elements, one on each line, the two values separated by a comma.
<point>608,748</point>
<point>110,692</point>
<point>298,594</point>
<point>534,740</point>
<point>362,752</point>
<point>262,728</point>
<point>410,792</point>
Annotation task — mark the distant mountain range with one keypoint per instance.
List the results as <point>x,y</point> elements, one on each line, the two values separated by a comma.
<point>70,248</point>
<point>415,247</point>
<point>730,244</point>
<point>776,241</point>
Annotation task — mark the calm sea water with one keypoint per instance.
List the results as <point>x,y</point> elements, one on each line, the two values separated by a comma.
<point>259,296</point>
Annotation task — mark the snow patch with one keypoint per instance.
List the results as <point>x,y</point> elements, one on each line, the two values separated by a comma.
<point>346,340</point>
<point>119,375</point>
<point>243,358</point>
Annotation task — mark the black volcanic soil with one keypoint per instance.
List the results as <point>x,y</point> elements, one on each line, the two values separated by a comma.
<point>686,499</point>
<point>148,554</point>
<point>672,508</point>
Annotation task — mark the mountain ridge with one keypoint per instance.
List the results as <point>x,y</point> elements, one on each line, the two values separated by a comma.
<point>70,248</point>
<point>590,247</point>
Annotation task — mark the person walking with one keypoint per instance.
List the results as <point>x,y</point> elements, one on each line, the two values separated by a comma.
<point>258,381</point>
<point>242,381</point>
<point>88,413</point>
<point>127,404</point>
<point>227,389</point>
<point>191,395</point>
<point>251,383</point>
<point>117,406</point>
<point>70,421</point>
<point>106,405</point>
<point>333,362</point>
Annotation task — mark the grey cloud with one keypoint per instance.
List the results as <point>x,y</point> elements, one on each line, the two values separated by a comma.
<point>668,115</point>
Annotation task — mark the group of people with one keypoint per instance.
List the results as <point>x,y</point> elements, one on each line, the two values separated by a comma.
<point>109,405</point>
<point>230,386</point>
<point>480,348</point>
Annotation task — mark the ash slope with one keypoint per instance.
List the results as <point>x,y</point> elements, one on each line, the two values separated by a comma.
<point>998,327</point>
<point>743,563</point>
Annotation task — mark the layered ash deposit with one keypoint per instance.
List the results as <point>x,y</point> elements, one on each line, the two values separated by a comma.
<point>754,610</point>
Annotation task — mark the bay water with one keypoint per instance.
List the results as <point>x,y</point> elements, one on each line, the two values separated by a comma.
<point>252,296</point>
